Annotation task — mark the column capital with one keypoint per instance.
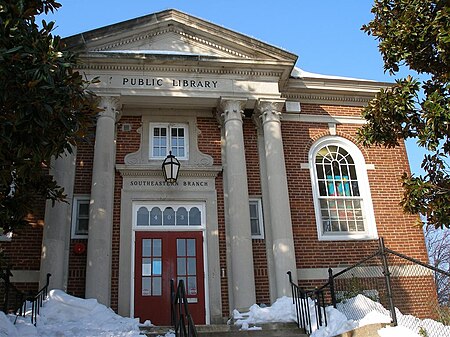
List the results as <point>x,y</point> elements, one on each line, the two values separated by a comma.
<point>111,106</point>
<point>230,108</point>
<point>268,110</point>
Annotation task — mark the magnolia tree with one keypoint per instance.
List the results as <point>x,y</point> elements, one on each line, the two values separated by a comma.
<point>45,108</point>
<point>415,34</point>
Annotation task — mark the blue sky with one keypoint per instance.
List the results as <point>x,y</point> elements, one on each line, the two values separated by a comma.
<point>324,34</point>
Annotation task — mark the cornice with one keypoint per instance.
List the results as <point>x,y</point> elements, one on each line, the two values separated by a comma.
<point>155,171</point>
<point>325,119</point>
<point>354,100</point>
<point>178,69</point>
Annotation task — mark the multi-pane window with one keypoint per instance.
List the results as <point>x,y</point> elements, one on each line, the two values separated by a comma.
<point>168,137</point>
<point>170,215</point>
<point>341,191</point>
<point>340,200</point>
<point>80,217</point>
<point>151,267</point>
<point>256,219</point>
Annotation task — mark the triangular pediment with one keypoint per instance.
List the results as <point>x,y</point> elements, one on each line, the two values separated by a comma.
<point>174,32</point>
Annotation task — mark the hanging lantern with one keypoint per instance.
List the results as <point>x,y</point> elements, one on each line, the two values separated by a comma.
<point>170,168</point>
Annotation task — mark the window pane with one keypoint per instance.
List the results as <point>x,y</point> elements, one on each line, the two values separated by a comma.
<point>83,208</point>
<point>142,217</point>
<point>146,247</point>
<point>182,216</point>
<point>146,286</point>
<point>155,217</point>
<point>192,286</point>
<point>169,217</point>
<point>253,210</point>
<point>157,266</point>
<point>83,226</point>
<point>191,266</point>
<point>146,267</point>
<point>195,217</point>
<point>190,247</point>
<point>181,266</point>
<point>156,288</point>
<point>181,247</point>
<point>156,247</point>
<point>255,227</point>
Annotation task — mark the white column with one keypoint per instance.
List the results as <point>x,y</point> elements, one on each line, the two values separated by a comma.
<point>57,225</point>
<point>237,213</point>
<point>98,269</point>
<point>278,195</point>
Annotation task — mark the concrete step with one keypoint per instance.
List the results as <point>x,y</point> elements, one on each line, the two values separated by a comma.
<point>223,330</point>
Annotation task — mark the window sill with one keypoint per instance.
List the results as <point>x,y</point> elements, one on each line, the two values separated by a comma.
<point>348,237</point>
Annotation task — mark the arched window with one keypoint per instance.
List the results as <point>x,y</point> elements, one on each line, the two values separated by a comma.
<point>342,200</point>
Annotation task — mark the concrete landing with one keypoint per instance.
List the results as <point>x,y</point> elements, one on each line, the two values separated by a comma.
<point>223,330</point>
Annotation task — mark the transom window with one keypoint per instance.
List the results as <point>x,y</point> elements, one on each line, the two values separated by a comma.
<point>168,216</point>
<point>165,137</point>
<point>341,191</point>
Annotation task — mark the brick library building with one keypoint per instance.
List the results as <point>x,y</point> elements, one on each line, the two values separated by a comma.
<point>217,161</point>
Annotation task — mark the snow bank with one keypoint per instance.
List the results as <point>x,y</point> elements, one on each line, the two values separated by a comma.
<point>351,314</point>
<point>66,316</point>
<point>281,311</point>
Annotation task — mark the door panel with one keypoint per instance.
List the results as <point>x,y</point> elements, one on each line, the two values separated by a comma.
<point>160,257</point>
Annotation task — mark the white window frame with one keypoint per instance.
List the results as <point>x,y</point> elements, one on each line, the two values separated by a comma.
<point>162,206</point>
<point>76,200</point>
<point>370,232</point>
<point>169,126</point>
<point>258,203</point>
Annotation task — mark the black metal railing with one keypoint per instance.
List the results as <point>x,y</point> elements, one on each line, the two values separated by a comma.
<point>12,298</point>
<point>37,300</point>
<point>181,318</point>
<point>16,301</point>
<point>303,301</point>
<point>385,277</point>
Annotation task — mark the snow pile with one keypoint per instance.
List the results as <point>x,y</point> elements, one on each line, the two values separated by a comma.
<point>66,316</point>
<point>351,314</point>
<point>281,311</point>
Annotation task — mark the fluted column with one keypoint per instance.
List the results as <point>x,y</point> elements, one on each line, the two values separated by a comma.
<point>280,214</point>
<point>98,269</point>
<point>237,213</point>
<point>57,225</point>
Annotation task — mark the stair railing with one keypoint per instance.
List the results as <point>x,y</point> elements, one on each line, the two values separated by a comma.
<point>181,318</point>
<point>301,299</point>
<point>38,300</point>
<point>12,297</point>
<point>17,302</point>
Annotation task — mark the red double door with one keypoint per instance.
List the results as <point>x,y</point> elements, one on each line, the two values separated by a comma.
<point>159,258</point>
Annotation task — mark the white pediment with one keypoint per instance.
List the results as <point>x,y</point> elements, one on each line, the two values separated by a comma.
<point>169,41</point>
<point>174,32</point>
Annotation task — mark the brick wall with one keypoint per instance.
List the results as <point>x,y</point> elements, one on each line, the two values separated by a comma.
<point>83,180</point>
<point>23,252</point>
<point>398,229</point>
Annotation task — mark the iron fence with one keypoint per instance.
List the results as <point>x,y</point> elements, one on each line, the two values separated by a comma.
<point>392,284</point>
